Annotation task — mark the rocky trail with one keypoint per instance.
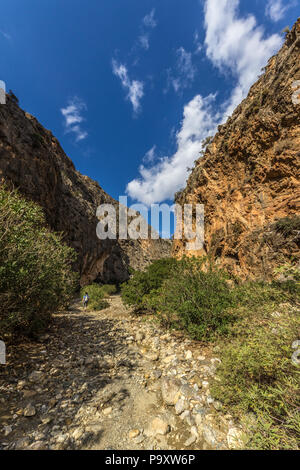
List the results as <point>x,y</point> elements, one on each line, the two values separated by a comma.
<point>109,380</point>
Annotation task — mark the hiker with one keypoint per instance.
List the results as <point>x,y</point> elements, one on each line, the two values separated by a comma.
<point>85,300</point>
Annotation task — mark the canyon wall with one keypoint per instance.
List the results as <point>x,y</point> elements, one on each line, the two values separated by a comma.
<point>32,160</point>
<point>249,176</point>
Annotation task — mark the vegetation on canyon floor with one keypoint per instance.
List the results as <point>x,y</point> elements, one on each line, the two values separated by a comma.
<point>253,323</point>
<point>36,276</point>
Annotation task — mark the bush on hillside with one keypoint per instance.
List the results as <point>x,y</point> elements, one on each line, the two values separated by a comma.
<point>196,298</point>
<point>135,292</point>
<point>36,276</point>
<point>257,374</point>
<point>109,289</point>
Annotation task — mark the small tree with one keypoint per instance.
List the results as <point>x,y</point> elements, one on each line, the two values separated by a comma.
<point>195,298</point>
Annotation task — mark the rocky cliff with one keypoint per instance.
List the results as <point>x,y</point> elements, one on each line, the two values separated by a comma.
<point>248,177</point>
<point>32,160</point>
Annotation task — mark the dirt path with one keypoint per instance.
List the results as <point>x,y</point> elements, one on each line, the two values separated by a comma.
<point>94,381</point>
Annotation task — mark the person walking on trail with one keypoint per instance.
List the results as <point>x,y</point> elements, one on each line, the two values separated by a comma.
<point>85,300</point>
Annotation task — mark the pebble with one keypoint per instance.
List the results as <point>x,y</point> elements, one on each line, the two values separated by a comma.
<point>36,376</point>
<point>29,411</point>
<point>107,411</point>
<point>188,355</point>
<point>133,433</point>
<point>190,441</point>
<point>158,426</point>
<point>7,430</point>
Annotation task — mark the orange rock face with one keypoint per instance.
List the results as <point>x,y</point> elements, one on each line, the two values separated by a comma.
<point>249,176</point>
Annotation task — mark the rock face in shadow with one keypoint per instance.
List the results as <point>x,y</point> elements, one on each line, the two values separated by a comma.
<point>249,176</point>
<point>32,160</point>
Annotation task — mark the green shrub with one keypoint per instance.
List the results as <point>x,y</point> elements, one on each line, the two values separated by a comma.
<point>96,295</point>
<point>36,276</point>
<point>257,374</point>
<point>136,291</point>
<point>288,225</point>
<point>109,289</point>
<point>194,299</point>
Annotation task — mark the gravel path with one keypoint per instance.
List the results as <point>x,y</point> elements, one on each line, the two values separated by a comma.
<point>109,380</point>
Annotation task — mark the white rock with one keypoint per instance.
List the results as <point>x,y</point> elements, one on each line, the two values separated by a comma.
<point>201,358</point>
<point>188,355</point>
<point>170,389</point>
<point>133,433</point>
<point>190,441</point>
<point>198,419</point>
<point>107,410</point>
<point>209,436</point>
<point>168,359</point>
<point>157,426</point>
<point>218,405</point>
<point>234,438</point>
<point>185,414</point>
<point>7,430</point>
<point>210,400</point>
<point>77,434</point>
<point>181,406</point>
<point>21,384</point>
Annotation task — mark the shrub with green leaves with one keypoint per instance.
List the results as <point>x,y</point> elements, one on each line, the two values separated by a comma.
<point>96,295</point>
<point>109,289</point>
<point>257,374</point>
<point>36,276</point>
<point>141,285</point>
<point>195,298</point>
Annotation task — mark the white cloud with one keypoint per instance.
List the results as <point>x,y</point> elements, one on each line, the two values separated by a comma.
<point>197,43</point>
<point>150,156</point>
<point>135,88</point>
<point>73,118</point>
<point>161,181</point>
<point>5,35</point>
<point>149,20</point>
<point>185,64</point>
<point>144,41</point>
<point>276,9</point>
<point>236,45</point>
<point>185,71</point>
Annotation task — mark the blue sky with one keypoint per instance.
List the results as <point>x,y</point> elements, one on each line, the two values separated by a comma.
<point>131,87</point>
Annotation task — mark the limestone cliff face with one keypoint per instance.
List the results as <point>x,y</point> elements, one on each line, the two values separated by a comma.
<point>32,160</point>
<point>249,175</point>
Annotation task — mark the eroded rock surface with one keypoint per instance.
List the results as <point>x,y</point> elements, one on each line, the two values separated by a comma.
<point>250,174</point>
<point>32,160</point>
